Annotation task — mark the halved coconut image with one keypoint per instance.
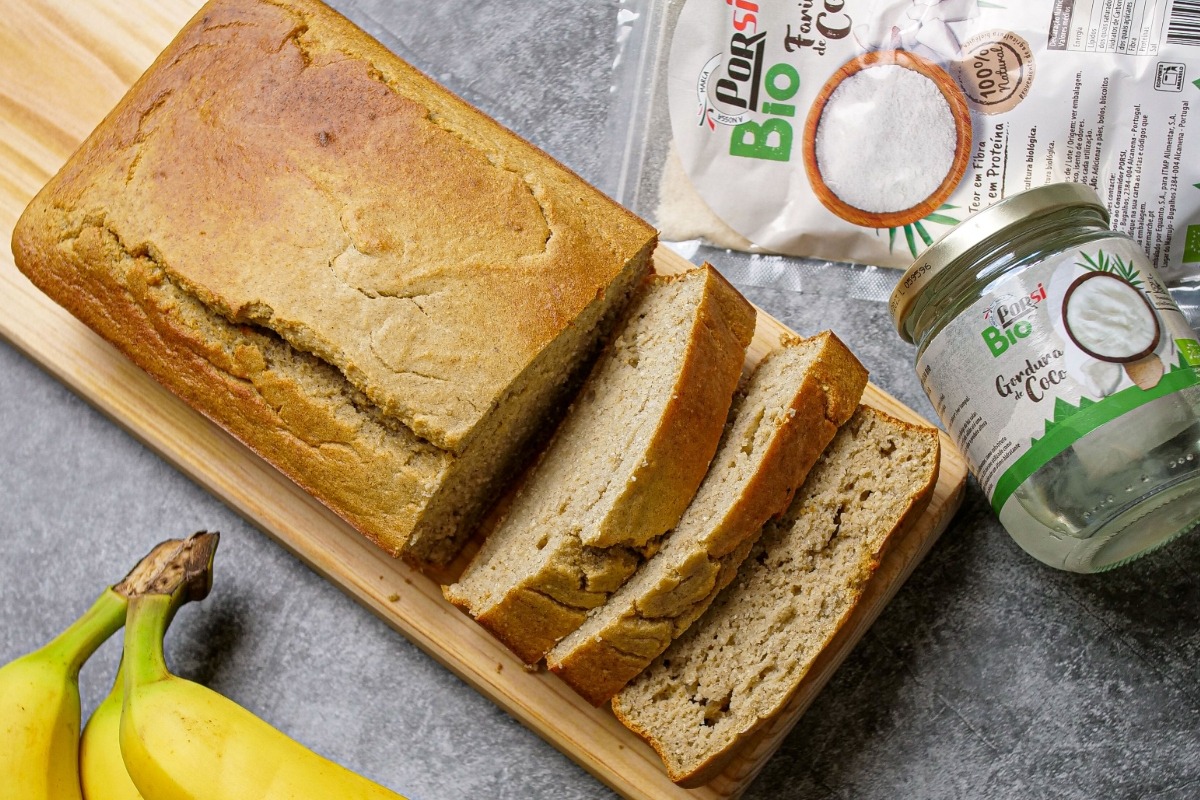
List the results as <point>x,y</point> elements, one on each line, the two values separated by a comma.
<point>887,139</point>
<point>1110,320</point>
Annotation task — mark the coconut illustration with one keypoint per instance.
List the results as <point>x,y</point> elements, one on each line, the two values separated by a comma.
<point>1107,318</point>
<point>887,139</point>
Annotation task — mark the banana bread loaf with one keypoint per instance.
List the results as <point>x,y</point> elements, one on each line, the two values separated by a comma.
<point>369,282</point>
<point>739,664</point>
<point>785,415</point>
<point>621,468</point>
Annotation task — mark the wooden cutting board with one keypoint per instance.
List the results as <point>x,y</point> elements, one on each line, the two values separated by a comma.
<point>63,65</point>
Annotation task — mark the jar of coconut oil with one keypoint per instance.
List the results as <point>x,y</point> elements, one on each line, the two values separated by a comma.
<point>1066,374</point>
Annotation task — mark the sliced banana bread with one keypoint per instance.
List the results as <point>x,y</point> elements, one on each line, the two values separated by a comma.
<point>785,415</point>
<point>620,469</point>
<point>741,661</point>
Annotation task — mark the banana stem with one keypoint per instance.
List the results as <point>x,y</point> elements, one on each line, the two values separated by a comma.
<point>76,644</point>
<point>187,576</point>
<point>84,636</point>
<point>145,629</point>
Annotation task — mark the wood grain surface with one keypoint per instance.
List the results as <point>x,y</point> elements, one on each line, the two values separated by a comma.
<point>63,65</point>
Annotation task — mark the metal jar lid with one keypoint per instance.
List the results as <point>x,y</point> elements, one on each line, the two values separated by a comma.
<point>991,221</point>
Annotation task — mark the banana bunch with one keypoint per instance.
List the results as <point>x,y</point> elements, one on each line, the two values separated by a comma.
<point>39,695</point>
<point>156,736</point>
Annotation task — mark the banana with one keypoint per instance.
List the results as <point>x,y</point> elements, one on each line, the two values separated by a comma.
<point>101,769</point>
<point>39,708</point>
<point>39,692</point>
<point>102,772</point>
<point>181,741</point>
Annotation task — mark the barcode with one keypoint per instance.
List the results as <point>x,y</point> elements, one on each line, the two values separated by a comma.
<point>1184,27</point>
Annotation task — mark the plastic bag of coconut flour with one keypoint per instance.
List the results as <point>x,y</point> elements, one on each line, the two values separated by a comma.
<point>862,130</point>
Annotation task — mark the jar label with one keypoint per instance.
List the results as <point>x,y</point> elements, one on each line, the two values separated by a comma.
<point>1052,353</point>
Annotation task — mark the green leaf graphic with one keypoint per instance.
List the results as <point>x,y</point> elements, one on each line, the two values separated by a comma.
<point>941,219</point>
<point>1112,264</point>
<point>924,234</point>
<point>921,230</point>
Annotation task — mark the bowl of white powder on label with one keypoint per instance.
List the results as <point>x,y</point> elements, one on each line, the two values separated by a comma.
<point>887,139</point>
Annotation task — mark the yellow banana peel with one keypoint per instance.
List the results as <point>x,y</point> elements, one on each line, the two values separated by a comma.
<point>39,708</point>
<point>182,741</point>
<point>102,771</point>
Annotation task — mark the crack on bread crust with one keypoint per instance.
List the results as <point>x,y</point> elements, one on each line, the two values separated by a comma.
<point>245,350</point>
<point>237,23</point>
<point>163,277</point>
<point>140,137</point>
<point>295,37</point>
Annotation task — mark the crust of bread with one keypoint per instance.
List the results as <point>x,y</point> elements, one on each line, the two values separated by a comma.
<point>599,664</point>
<point>284,171</point>
<point>683,445</point>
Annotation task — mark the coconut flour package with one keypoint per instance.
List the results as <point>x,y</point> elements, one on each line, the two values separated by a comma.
<point>862,130</point>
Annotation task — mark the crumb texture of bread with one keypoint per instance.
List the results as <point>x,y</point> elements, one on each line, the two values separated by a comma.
<point>739,664</point>
<point>396,290</point>
<point>621,468</point>
<point>783,418</point>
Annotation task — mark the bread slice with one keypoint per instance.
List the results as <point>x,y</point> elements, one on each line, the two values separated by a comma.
<point>621,468</point>
<point>740,663</point>
<point>369,282</point>
<point>785,415</point>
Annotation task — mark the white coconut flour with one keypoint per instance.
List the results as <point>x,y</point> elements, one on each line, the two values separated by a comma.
<point>886,139</point>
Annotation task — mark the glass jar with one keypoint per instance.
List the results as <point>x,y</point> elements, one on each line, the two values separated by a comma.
<point>1064,371</point>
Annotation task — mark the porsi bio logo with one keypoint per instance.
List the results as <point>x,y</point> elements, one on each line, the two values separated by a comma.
<point>739,89</point>
<point>1010,320</point>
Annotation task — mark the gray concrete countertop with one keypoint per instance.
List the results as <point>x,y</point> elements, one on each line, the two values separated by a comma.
<point>989,676</point>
